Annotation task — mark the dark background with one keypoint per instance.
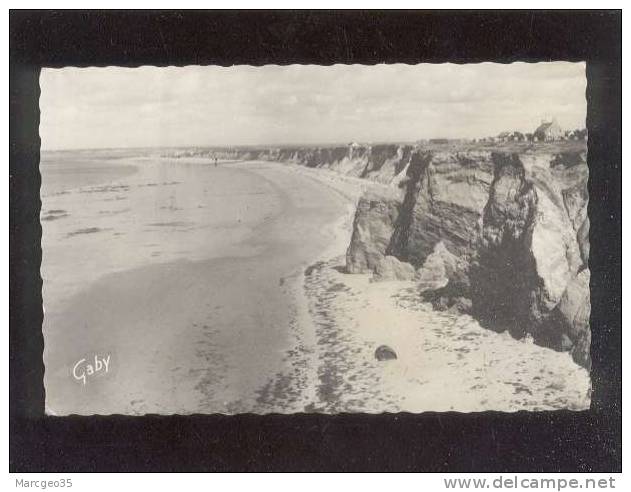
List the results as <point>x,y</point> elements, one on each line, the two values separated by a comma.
<point>588,441</point>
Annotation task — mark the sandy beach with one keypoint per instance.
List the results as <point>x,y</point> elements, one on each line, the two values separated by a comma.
<point>222,290</point>
<point>445,361</point>
<point>180,297</point>
<point>396,259</point>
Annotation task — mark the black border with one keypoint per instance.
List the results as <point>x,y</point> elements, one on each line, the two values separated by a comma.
<point>587,441</point>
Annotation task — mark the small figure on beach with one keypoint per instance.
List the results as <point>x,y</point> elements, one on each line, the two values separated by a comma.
<point>215,162</point>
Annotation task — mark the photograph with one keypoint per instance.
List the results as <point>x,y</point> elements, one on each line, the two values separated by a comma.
<point>319,239</point>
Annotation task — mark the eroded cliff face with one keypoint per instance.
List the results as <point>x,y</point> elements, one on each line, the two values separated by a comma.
<point>528,252</point>
<point>373,228</point>
<point>381,163</point>
<point>445,196</point>
<point>508,233</point>
<point>503,235</point>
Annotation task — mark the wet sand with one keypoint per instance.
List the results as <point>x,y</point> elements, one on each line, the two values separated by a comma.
<point>193,335</point>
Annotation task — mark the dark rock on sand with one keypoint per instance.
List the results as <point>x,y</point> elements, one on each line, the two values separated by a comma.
<point>453,298</point>
<point>447,276</point>
<point>384,352</point>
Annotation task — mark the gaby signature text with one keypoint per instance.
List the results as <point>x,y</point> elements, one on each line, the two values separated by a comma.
<point>85,368</point>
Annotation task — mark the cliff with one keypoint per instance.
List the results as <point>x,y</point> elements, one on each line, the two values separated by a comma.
<point>501,235</point>
<point>385,163</point>
<point>497,231</point>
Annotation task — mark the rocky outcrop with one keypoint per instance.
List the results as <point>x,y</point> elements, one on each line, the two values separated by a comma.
<point>390,268</point>
<point>373,227</point>
<point>504,236</point>
<point>528,251</point>
<point>444,281</point>
<point>452,298</point>
<point>437,268</point>
<point>571,317</point>
<point>445,197</point>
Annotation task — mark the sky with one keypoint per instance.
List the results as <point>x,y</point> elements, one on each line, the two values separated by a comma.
<point>109,107</point>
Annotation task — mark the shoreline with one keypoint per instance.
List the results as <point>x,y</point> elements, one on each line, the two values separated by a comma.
<point>503,379</point>
<point>322,358</point>
<point>556,382</point>
<point>211,338</point>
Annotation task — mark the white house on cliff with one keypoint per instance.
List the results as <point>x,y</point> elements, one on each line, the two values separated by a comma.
<point>548,131</point>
